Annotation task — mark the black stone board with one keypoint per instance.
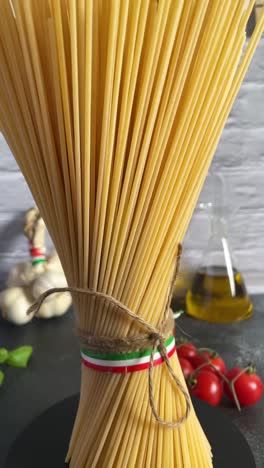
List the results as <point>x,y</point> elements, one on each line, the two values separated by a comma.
<point>45,441</point>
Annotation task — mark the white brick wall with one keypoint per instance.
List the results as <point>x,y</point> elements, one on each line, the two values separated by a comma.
<point>239,157</point>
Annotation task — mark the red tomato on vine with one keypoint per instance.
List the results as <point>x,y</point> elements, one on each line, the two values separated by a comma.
<point>247,384</point>
<point>206,386</point>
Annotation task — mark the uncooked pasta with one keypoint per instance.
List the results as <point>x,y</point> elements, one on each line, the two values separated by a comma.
<point>113,110</point>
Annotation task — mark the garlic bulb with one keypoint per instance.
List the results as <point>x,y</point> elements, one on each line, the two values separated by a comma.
<point>58,304</point>
<point>22,274</point>
<point>14,304</point>
<point>28,280</point>
<point>48,280</point>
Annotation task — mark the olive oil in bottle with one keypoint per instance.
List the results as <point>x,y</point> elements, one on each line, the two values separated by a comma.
<point>218,295</point>
<point>217,292</point>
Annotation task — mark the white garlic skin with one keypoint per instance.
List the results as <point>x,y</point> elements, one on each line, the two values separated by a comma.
<point>48,280</point>
<point>26,283</point>
<point>14,304</point>
<point>55,304</point>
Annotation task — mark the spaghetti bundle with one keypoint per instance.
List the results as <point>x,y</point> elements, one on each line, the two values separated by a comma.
<point>113,110</point>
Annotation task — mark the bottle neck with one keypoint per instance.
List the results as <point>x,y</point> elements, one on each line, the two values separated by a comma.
<point>219,226</point>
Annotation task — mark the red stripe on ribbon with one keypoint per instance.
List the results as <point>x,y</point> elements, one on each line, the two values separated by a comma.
<point>36,252</point>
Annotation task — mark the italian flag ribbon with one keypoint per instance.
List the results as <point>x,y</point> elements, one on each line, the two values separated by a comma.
<point>38,255</point>
<point>125,362</point>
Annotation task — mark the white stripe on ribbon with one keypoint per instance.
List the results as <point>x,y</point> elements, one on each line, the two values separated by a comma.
<point>128,362</point>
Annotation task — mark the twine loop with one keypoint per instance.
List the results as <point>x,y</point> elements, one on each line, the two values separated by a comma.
<point>153,338</point>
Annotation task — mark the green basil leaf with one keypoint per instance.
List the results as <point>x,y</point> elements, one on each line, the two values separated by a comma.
<point>2,378</point>
<point>19,357</point>
<point>3,355</point>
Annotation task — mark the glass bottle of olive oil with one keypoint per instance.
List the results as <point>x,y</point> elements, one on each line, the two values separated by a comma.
<point>218,295</point>
<point>218,292</point>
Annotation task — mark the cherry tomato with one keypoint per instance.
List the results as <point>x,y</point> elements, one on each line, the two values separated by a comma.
<point>206,386</point>
<point>248,387</point>
<point>186,367</point>
<point>187,351</point>
<point>214,358</point>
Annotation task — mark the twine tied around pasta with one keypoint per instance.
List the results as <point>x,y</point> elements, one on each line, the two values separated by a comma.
<point>154,338</point>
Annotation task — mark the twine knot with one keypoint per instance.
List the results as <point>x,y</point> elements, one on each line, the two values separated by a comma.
<point>153,338</point>
<point>156,338</point>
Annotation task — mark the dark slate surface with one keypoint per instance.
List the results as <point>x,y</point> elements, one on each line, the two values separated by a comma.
<point>53,374</point>
<point>239,343</point>
<point>54,371</point>
<point>42,437</point>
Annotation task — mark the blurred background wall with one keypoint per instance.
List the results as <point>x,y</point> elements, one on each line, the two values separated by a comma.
<point>240,160</point>
<point>239,157</point>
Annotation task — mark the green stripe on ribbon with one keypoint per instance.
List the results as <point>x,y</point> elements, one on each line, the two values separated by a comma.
<point>38,261</point>
<point>123,356</point>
